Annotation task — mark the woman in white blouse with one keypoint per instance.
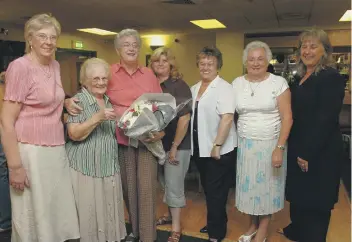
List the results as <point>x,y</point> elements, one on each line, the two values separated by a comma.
<point>214,139</point>
<point>263,102</point>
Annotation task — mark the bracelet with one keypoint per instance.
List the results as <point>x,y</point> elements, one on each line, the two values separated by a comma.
<point>281,147</point>
<point>175,144</point>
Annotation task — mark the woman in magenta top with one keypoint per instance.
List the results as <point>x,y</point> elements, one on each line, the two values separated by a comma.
<point>43,207</point>
<point>138,166</point>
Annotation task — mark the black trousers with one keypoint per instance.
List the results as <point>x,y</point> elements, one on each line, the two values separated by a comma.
<point>307,224</point>
<point>217,177</point>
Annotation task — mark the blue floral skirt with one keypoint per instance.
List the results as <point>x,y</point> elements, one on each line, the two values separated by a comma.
<point>260,187</point>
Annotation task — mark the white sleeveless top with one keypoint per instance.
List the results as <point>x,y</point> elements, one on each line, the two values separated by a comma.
<point>259,116</point>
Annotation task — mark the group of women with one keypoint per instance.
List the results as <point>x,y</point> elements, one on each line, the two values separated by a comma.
<point>77,190</point>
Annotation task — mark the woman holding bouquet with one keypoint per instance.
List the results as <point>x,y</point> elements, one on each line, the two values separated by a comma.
<point>177,140</point>
<point>138,166</point>
<point>214,138</point>
<point>92,153</point>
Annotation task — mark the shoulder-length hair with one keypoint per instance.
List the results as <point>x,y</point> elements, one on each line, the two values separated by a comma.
<point>325,60</point>
<point>174,71</point>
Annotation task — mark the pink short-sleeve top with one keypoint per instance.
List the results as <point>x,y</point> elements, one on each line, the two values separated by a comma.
<point>40,91</point>
<point>124,89</point>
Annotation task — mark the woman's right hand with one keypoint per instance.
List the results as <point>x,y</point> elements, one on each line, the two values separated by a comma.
<point>18,178</point>
<point>106,114</point>
<point>72,107</point>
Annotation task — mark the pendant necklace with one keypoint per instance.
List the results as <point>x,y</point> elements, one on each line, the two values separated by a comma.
<point>252,91</point>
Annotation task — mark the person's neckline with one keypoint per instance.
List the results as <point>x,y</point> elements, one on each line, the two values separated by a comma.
<point>265,79</point>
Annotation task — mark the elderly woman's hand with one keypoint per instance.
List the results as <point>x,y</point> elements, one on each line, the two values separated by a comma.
<point>155,136</point>
<point>215,153</point>
<point>277,158</point>
<point>72,107</point>
<point>105,114</point>
<point>303,164</point>
<point>18,178</point>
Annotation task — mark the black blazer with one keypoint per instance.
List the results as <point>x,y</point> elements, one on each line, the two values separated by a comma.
<point>315,136</point>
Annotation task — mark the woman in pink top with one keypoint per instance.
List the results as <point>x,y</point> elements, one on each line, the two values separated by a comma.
<point>137,165</point>
<point>43,206</point>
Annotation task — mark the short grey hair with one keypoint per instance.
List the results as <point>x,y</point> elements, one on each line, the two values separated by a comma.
<point>88,65</point>
<point>256,45</point>
<point>326,59</point>
<point>127,32</point>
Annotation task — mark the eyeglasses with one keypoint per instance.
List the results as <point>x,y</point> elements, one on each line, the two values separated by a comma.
<point>44,38</point>
<point>96,80</point>
<point>128,45</point>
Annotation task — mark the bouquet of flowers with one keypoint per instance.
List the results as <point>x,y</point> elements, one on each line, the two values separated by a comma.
<point>150,113</point>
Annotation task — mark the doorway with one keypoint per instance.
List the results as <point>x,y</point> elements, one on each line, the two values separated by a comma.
<point>70,66</point>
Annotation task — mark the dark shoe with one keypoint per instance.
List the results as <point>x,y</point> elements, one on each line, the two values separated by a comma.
<point>288,233</point>
<point>131,239</point>
<point>204,229</point>
<point>4,230</point>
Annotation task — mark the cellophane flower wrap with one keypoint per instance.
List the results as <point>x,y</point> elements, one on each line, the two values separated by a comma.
<point>151,112</point>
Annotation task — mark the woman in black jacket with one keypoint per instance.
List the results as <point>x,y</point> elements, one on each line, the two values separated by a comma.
<point>315,150</point>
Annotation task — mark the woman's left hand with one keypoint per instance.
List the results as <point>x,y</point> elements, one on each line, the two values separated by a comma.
<point>156,136</point>
<point>277,158</point>
<point>172,156</point>
<point>215,152</point>
<point>303,164</point>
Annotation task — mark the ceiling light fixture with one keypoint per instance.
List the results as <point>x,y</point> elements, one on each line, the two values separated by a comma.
<point>208,24</point>
<point>347,16</point>
<point>97,31</point>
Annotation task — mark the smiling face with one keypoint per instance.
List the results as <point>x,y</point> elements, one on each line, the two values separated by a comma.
<point>128,49</point>
<point>162,66</point>
<point>43,42</point>
<point>208,68</point>
<point>97,80</point>
<point>257,62</point>
<point>311,51</point>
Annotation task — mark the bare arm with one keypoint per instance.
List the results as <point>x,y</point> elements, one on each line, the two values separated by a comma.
<point>181,130</point>
<point>9,115</point>
<point>80,131</point>
<point>284,105</point>
<point>224,128</point>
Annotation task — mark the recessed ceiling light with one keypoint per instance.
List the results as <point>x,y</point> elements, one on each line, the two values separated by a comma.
<point>97,31</point>
<point>208,24</point>
<point>347,16</point>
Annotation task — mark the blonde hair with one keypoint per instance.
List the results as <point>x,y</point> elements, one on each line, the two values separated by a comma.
<point>90,64</point>
<point>37,22</point>
<point>325,60</point>
<point>174,72</point>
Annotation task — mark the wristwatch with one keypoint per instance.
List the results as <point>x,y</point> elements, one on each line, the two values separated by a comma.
<point>281,147</point>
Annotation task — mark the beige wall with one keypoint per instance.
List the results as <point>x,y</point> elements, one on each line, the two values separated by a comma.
<point>231,46</point>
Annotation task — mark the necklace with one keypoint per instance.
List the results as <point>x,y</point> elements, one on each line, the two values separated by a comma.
<point>45,68</point>
<point>250,85</point>
<point>252,91</point>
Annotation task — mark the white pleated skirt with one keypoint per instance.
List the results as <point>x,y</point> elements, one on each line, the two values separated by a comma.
<point>260,188</point>
<point>46,211</point>
<point>100,207</point>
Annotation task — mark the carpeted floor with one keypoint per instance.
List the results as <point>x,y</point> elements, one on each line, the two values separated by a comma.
<point>161,237</point>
